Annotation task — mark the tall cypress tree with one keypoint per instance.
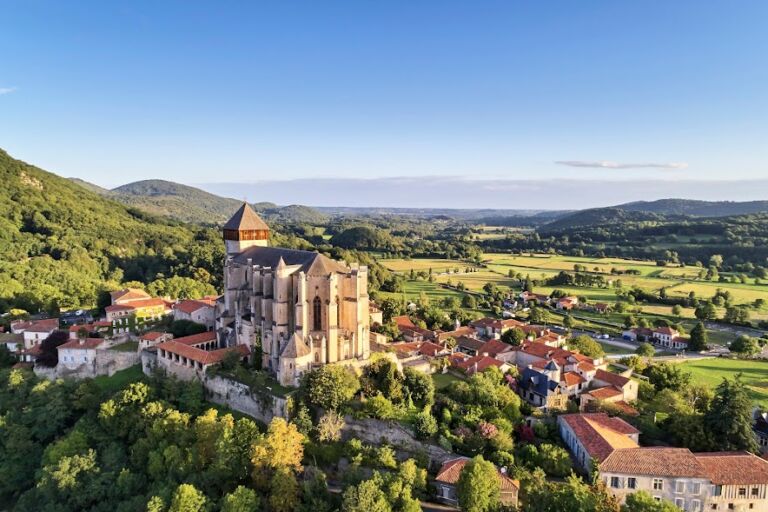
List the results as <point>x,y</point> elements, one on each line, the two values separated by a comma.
<point>699,338</point>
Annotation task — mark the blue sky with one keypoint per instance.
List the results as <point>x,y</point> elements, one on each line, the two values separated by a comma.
<point>212,92</point>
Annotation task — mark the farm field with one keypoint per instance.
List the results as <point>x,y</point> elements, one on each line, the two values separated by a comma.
<point>651,277</point>
<point>712,372</point>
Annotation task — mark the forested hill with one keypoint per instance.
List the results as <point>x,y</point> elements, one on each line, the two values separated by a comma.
<point>61,244</point>
<point>190,204</point>
<point>697,208</point>
<point>598,217</point>
<point>178,201</point>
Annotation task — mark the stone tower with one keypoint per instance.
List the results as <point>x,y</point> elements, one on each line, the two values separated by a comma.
<point>245,229</point>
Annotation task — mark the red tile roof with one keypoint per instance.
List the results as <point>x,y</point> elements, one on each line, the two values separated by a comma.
<point>136,304</point>
<point>614,379</point>
<point>87,344</point>
<point>572,379</point>
<point>494,348</point>
<point>128,294</point>
<point>200,355</point>
<point>153,335</point>
<point>450,472</point>
<point>46,325</point>
<point>653,461</point>
<point>606,392</point>
<point>734,468</point>
<point>478,364</point>
<point>90,327</point>
<point>196,339</point>
<point>600,434</point>
<point>430,349</point>
<point>190,306</point>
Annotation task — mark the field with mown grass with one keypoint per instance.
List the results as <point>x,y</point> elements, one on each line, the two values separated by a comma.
<point>712,371</point>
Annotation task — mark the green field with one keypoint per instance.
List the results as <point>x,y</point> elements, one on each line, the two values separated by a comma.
<point>678,281</point>
<point>712,372</point>
<point>443,380</point>
<point>120,379</point>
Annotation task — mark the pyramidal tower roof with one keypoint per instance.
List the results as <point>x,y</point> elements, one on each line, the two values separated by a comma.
<point>245,219</point>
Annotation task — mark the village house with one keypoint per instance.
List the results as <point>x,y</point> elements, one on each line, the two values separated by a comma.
<point>447,479</point>
<point>78,352</point>
<point>152,338</point>
<point>466,330</point>
<point>535,299</point>
<point>567,303</point>
<point>493,328</point>
<point>33,332</point>
<point>479,363</point>
<point>79,316</point>
<point>666,337</point>
<point>12,342</point>
<point>103,328</point>
<point>201,312</point>
<point>411,331</point>
<point>692,481</point>
<point>618,389</point>
<point>131,308</point>
<point>376,315</point>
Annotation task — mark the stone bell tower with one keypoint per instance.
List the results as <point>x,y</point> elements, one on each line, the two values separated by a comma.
<point>245,229</point>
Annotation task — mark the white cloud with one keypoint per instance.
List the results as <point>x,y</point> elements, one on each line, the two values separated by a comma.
<point>7,90</point>
<point>604,164</point>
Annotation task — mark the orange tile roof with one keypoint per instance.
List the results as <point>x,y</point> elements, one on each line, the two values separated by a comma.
<point>606,392</point>
<point>572,379</point>
<point>190,306</point>
<point>153,335</point>
<point>136,304</point>
<point>478,364</point>
<point>87,344</point>
<point>653,461</point>
<point>600,434</point>
<point>614,379</point>
<point>45,325</point>
<point>128,294</point>
<point>626,408</point>
<point>196,339</point>
<point>494,348</point>
<point>89,327</point>
<point>199,355</point>
<point>430,349</point>
<point>450,472</point>
<point>734,468</point>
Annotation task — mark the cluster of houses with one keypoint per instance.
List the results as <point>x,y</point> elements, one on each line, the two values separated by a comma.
<point>131,310</point>
<point>549,375</point>
<point>608,446</point>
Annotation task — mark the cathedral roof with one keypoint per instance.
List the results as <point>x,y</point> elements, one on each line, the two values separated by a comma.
<point>312,263</point>
<point>245,219</point>
<point>295,348</point>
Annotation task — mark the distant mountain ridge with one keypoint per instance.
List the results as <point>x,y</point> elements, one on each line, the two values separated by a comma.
<point>193,205</point>
<point>695,208</point>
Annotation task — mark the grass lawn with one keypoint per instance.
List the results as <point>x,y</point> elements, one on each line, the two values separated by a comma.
<point>128,346</point>
<point>611,349</point>
<point>443,380</point>
<point>712,371</point>
<point>120,379</point>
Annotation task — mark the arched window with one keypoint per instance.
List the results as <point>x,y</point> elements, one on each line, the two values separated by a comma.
<point>316,315</point>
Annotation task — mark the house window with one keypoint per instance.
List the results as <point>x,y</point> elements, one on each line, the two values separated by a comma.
<point>679,502</point>
<point>679,487</point>
<point>717,491</point>
<point>658,484</point>
<point>632,483</point>
<point>742,492</point>
<point>695,505</point>
<point>616,482</point>
<point>316,314</point>
<point>695,488</point>
<point>755,491</point>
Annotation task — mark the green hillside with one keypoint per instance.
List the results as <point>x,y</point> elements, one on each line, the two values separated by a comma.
<point>599,217</point>
<point>61,244</point>
<point>695,208</point>
<point>181,202</point>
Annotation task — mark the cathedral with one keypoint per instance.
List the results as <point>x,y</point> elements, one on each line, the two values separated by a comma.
<point>304,309</point>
